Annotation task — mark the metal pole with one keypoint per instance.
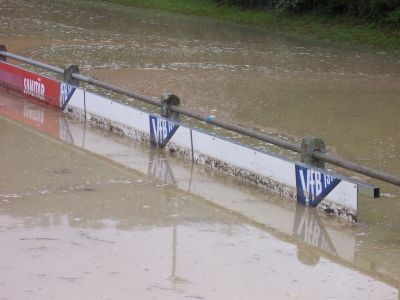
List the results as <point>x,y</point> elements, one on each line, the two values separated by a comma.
<point>117,89</point>
<point>340,162</point>
<point>239,129</point>
<point>211,119</point>
<point>33,62</point>
<point>179,109</point>
<point>187,112</point>
<point>3,49</point>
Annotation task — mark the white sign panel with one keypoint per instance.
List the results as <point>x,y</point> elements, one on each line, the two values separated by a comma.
<point>309,185</point>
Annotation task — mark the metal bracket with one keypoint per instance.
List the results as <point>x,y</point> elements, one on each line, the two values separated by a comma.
<point>2,57</point>
<point>167,100</point>
<point>71,69</point>
<point>309,145</point>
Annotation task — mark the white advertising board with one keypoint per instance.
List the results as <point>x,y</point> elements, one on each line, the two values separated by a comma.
<point>311,186</point>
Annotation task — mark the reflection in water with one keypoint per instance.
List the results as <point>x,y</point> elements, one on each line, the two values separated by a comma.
<point>33,112</point>
<point>176,279</point>
<point>226,240</point>
<point>308,228</point>
<point>65,133</point>
<point>159,168</point>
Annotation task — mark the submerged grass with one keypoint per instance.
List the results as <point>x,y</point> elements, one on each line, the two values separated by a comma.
<point>344,30</point>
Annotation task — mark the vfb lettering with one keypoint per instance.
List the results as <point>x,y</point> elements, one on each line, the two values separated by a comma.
<point>161,131</point>
<point>313,186</point>
<point>34,88</point>
<point>159,168</point>
<point>66,92</point>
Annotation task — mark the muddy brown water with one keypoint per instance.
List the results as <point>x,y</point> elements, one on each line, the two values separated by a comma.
<point>71,221</point>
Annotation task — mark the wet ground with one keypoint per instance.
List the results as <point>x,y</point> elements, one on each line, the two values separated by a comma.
<point>154,226</point>
<point>129,221</point>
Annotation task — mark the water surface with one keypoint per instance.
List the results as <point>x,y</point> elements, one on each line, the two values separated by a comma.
<point>349,97</point>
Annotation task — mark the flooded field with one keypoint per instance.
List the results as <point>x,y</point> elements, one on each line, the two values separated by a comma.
<point>129,220</point>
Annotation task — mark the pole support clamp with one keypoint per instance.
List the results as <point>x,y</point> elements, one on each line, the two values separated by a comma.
<point>309,145</point>
<point>2,57</point>
<point>167,100</point>
<point>69,70</point>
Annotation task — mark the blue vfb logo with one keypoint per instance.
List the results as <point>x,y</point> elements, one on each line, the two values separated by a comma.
<point>161,131</point>
<point>313,186</point>
<point>66,92</point>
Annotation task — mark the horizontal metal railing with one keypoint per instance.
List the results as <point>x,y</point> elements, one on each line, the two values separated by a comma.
<point>355,167</point>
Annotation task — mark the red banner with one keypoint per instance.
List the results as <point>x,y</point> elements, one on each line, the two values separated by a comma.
<point>30,84</point>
